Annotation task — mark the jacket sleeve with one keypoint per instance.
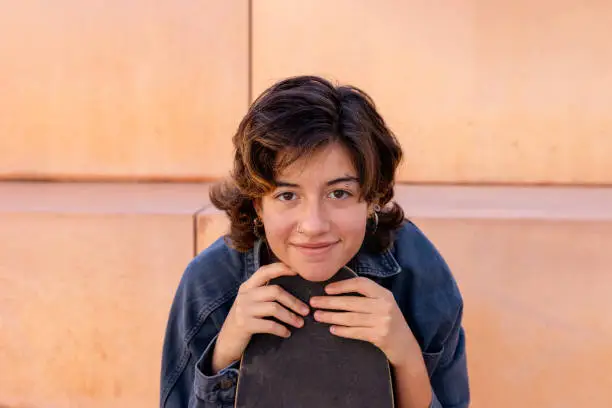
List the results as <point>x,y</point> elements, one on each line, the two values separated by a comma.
<point>213,390</point>
<point>449,380</point>
<point>198,311</point>
<point>431,300</point>
<point>196,387</point>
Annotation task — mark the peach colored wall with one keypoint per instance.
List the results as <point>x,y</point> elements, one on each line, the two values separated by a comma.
<point>87,275</point>
<point>84,301</point>
<point>537,308</point>
<point>477,91</point>
<point>121,89</point>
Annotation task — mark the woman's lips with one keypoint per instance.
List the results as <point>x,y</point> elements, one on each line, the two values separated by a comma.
<point>315,248</point>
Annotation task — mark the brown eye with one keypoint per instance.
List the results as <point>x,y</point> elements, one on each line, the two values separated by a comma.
<point>339,194</point>
<point>286,196</point>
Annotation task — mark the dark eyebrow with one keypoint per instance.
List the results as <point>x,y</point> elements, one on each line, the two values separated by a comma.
<point>346,179</point>
<point>285,184</point>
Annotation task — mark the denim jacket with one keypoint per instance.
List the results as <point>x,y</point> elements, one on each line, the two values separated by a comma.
<point>412,269</point>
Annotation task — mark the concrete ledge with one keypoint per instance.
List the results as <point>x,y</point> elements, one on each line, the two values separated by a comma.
<point>103,198</point>
<point>537,203</point>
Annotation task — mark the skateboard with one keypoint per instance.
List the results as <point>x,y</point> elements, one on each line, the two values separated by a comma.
<point>312,368</point>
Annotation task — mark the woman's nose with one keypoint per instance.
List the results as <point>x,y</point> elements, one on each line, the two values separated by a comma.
<point>314,220</point>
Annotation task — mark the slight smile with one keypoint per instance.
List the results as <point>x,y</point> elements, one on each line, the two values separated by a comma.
<point>315,248</point>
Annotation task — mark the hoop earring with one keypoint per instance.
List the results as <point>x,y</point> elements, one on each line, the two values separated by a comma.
<point>375,218</point>
<point>257,225</point>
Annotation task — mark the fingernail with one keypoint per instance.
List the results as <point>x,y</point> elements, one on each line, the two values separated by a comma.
<point>304,310</point>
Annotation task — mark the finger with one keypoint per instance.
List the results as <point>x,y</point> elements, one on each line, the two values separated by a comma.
<point>348,319</point>
<point>275,292</point>
<point>269,327</point>
<point>357,333</point>
<point>273,309</point>
<point>264,274</point>
<point>345,303</point>
<point>364,286</point>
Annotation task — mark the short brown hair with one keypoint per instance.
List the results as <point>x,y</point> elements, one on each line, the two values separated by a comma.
<point>292,119</point>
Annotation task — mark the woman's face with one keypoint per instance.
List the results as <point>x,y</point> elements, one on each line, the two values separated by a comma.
<point>314,220</point>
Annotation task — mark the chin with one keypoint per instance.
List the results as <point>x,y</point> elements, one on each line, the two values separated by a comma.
<point>317,273</point>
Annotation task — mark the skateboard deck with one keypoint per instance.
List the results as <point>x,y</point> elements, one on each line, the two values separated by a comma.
<point>312,368</point>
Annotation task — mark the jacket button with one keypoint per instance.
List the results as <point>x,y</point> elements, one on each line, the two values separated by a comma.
<point>226,384</point>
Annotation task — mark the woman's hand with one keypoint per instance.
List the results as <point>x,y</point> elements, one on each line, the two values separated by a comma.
<point>375,318</point>
<point>256,301</point>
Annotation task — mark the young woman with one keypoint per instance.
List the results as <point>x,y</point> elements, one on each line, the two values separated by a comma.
<point>312,184</point>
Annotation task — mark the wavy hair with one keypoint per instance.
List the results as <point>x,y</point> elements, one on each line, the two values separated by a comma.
<point>295,118</point>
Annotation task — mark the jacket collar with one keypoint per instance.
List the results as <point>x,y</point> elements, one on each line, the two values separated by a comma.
<point>381,265</point>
